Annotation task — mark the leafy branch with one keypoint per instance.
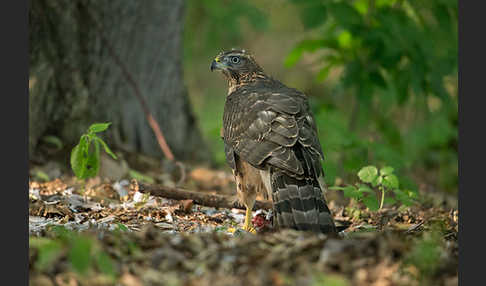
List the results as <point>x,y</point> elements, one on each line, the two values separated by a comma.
<point>373,181</point>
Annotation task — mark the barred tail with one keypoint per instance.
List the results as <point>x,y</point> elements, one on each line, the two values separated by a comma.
<point>300,204</point>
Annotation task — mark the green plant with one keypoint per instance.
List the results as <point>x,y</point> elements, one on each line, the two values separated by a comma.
<point>213,24</point>
<point>53,140</point>
<point>383,181</point>
<point>399,46</point>
<point>85,162</point>
<point>391,70</point>
<point>425,255</point>
<point>83,252</point>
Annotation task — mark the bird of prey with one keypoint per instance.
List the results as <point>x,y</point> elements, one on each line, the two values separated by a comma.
<point>271,144</point>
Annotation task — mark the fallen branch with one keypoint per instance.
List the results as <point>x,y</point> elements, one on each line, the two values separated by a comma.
<point>209,200</point>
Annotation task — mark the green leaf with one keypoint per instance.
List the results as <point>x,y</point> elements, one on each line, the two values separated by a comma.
<point>105,264</point>
<point>386,170</point>
<point>105,146</point>
<point>368,174</point>
<point>86,164</point>
<point>49,251</point>
<point>93,162</point>
<point>348,191</point>
<point>62,232</point>
<point>345,14</point>
<point>79,157</point>
<point>376,181</point>
<point>405,197</point>
<point>122,227</point>
<point>98,127</point>
<point>390,181</point>
<point>323,73</point>
<point>313,15</point>
<point>53,140</point>
<point>377,79</point>
<point>304,46</point>
<point>38,242</point>
<point>379,180</point>
<point>365,189</point>
<point>344,39</point>
<point>383,3</point>
<point>80,254</point>
<point>389,201</point>
<point>351,192</point>
<point>336,188</point>
<point>361,6</point>
<point>371,202</point>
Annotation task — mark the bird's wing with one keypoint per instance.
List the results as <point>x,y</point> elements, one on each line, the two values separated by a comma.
<point>267,125</point>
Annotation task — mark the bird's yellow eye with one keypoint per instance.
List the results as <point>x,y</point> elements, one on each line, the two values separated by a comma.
<point>235,60</point>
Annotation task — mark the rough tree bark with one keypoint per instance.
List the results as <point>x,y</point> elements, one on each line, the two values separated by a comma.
<point>75,81</point>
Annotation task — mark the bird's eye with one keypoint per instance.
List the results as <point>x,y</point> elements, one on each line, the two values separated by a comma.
<point>235,60</point>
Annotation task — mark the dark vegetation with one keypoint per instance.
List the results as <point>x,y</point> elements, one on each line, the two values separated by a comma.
<point>382,80</point>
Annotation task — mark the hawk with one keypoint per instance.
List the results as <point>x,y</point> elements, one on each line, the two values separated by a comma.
<point>271,144</point>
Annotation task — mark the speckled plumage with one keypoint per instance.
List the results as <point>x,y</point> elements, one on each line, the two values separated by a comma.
<point>271,144</point>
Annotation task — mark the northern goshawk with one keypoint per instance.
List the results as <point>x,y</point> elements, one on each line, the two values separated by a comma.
<point>271,143</point>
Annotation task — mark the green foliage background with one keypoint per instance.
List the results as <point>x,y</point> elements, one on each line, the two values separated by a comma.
<point>381,76</point>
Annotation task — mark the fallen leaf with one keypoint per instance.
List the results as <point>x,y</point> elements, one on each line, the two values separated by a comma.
<point>186,205</point>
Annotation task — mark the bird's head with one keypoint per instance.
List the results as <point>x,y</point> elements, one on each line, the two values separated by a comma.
<point>236,65</point>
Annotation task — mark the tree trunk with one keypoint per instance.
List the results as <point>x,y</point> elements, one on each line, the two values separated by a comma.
<point>75,79</point>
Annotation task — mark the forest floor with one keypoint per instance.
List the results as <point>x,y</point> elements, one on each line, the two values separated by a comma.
<point>105,232</point>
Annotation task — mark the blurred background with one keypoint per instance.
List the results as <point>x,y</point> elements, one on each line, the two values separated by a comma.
<point>381,76</point>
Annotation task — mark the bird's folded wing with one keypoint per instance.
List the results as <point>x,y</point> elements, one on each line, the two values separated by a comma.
<point>263,127</point>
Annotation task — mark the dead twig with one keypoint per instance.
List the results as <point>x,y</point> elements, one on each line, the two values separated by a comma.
<point>209,200</point>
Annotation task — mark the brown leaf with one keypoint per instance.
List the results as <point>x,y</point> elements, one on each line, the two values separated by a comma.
<point>186,205</point>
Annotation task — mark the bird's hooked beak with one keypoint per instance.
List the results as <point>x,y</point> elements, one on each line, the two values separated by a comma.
<point>217,64</point>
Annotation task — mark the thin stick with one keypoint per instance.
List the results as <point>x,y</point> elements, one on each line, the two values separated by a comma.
<point>209,200</point>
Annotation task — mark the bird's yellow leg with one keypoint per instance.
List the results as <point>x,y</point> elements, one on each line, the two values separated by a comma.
<point>248,225</point>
